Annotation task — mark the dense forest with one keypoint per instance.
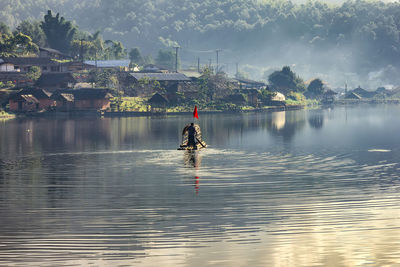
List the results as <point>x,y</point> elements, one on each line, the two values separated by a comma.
<point>357,42</point>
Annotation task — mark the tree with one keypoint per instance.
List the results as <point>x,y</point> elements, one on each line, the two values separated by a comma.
<point>286,81</point>
<point>115,50</point>
<point>34,73</point>
<point>135,56</point>
<point>59,32</point>
<point>33,30</point>
<point>83,49</point>
<point>166,58</point>
<point>4,29</point>
<point>315,89</point>
<point>14,45</point>
<point>242,75</point>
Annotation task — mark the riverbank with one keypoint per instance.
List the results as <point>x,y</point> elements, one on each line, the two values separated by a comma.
<point>93,113</point>
<point>140,113</point>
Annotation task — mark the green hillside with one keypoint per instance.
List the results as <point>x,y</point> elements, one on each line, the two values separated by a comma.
<point>354,41</point>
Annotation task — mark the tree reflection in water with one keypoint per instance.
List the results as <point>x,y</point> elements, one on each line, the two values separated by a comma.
<point>316,119</point>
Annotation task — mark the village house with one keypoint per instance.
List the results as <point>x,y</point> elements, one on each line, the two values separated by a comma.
<point>352,95</point>
<point>144,83</point>
<point>86,99</point>
<point>30,100</point>
<point>252,97</point>
<point>329,96</point>
<point>363,93</point>
<point>250,84</point>
<point>158,103</point>
<point>21,103</point>
<point>23,64</point>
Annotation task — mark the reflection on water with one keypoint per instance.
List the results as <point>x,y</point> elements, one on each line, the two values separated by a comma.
<point>192,158</point>
<point>298,188</point>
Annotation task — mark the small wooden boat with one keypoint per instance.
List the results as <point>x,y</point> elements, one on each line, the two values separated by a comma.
<point>185,136</point>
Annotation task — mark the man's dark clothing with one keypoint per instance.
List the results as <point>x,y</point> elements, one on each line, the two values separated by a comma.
<point>191,136</point>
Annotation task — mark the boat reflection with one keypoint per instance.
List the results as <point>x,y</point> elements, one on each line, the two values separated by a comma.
<point>192,158</point>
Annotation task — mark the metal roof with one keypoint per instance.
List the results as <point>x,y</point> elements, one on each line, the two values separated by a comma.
<point>161,76</point>
<point>109,63</point>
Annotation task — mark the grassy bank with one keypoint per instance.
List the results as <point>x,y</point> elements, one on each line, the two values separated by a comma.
<point>5,115</point>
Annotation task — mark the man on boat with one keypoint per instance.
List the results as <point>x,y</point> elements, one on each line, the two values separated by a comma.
<point>191,135</point>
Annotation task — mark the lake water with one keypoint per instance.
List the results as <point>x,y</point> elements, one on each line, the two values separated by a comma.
<point>298,188</point>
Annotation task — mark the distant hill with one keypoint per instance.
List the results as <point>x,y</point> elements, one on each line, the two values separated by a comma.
<point>354,41</point>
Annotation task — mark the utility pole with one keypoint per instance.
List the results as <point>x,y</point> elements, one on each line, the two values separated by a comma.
<point>198,64</point>
<point>176,58</point>
<point>237,69</point>
<point>81,52</point>
<point>217,51</point>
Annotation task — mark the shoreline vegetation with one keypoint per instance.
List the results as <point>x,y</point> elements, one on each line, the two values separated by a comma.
<point>5,115</point>
<point>185,110</point>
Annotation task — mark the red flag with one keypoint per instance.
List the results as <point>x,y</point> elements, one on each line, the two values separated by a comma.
<point>195,114</point>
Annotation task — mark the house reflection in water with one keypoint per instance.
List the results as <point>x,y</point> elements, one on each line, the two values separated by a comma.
<point>278,119</point>
<point>286,123</point>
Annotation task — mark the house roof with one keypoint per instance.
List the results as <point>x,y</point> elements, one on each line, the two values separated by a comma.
<point>26,98</point>
<point>82,94</point>
<point>191,73</point>
<point>53,51</point>
<point>161,76</point>
<point>363,93</point>
<point>109,63</point>
<point>330,92</point>
<point>54,79</point>
<point>352,95</point>
<point>67,97</point>
<point>31,61</point>
<point>157,99</point>
<point>251,82</point>
<point>37,93</point>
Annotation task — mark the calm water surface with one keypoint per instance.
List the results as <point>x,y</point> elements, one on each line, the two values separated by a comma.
<point>299,188</point>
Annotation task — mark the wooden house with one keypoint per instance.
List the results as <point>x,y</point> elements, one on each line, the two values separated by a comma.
<point>23,103</point>
<point>64,101</point>
<point>82,99</point>
<point>352,95</point>
<point>144,82</point>
<point>31,99</point>
<point>329,96</point>
<point>23,64</point>
<point>250,84</point>
<point>363,93</point>
<point>158,103</point>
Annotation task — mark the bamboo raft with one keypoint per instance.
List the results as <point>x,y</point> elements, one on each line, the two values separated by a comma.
<point>185,136</point>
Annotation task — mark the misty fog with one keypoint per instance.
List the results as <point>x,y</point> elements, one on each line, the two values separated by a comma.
<point>353,42</point>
